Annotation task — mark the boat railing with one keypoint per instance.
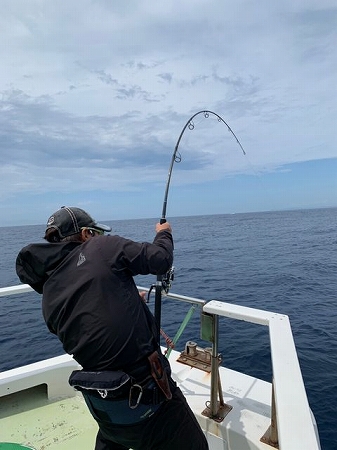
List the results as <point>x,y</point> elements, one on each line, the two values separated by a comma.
<point>292,423</point>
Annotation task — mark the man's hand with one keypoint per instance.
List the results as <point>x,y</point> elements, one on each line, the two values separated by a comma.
<point>163,227</point>
<point>142,295</point>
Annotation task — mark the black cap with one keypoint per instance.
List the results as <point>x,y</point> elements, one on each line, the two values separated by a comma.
<point>70,220</point>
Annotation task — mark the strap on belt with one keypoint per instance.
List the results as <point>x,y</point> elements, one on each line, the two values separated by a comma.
<point>159,374</point>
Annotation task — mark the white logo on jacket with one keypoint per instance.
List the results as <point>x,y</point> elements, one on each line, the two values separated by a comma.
<point>81,259</point>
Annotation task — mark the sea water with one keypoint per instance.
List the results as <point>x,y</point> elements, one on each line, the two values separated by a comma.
<point>282,261</point>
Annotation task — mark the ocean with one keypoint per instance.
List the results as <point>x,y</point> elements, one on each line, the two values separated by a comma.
<point>282,261</point>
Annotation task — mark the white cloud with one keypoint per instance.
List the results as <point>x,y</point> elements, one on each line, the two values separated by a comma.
<point>100,90</point>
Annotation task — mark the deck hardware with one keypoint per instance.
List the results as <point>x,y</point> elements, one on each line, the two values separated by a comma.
<point>194,356</point>
<point>270,437</point>
<point>217,409</point>
<point>209,360</point>
<point>207,327</point>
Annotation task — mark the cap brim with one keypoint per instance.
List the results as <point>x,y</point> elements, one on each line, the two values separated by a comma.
<point>102,227</point>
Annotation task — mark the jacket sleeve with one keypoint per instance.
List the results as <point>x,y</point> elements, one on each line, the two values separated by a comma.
<point>144,258</point>
<point>36,262</point>
<point>27,271</point>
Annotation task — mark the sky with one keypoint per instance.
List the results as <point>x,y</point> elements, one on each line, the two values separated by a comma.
<point>95,94</point>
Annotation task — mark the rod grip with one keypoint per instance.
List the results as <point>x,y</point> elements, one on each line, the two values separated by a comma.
<point>162,220</point>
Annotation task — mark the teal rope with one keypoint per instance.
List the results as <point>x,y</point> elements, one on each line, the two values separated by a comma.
<point>181,328</point>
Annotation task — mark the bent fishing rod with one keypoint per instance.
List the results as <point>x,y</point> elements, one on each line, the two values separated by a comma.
<point>164,281</point>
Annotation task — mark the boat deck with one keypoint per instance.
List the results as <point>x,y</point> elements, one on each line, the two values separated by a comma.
<point>29,418</point>
<point>39,409</point>
<point>35,421</point>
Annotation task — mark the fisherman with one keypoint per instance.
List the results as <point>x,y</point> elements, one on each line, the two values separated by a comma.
<point>90,301</point>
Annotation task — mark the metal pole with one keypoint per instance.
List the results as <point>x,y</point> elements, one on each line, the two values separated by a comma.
<point>214,368</point>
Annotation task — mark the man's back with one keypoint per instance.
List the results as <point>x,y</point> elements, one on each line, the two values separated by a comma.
<point>92,304</point>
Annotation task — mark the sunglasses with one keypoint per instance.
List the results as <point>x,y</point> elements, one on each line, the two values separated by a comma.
<point>94,230</point>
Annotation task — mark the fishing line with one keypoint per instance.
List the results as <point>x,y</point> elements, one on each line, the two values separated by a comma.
<point>164,281</point>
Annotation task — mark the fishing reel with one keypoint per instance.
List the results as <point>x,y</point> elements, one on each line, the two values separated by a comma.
<point>167,279</point>
<point>166,282</point>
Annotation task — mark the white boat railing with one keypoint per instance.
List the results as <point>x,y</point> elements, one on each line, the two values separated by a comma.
<point>293,426</point>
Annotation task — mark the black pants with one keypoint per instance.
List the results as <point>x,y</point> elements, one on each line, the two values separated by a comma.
<point>172,427</point>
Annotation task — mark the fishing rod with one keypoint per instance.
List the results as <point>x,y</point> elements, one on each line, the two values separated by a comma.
<point>164,281</point>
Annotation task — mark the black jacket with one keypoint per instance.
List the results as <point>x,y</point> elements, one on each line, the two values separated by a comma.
<point>90,300</point>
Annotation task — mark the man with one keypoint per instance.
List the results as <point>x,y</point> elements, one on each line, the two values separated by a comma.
<point>90,301</point>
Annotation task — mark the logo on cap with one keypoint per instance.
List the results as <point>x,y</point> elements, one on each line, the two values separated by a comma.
<point>51,220</point>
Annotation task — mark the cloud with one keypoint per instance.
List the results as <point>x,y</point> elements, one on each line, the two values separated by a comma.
<point>96,93</point>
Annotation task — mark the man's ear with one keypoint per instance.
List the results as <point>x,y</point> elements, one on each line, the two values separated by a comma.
<point>86,234</point>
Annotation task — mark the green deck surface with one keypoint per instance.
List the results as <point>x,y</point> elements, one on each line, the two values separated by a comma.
<point>63,425</point>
